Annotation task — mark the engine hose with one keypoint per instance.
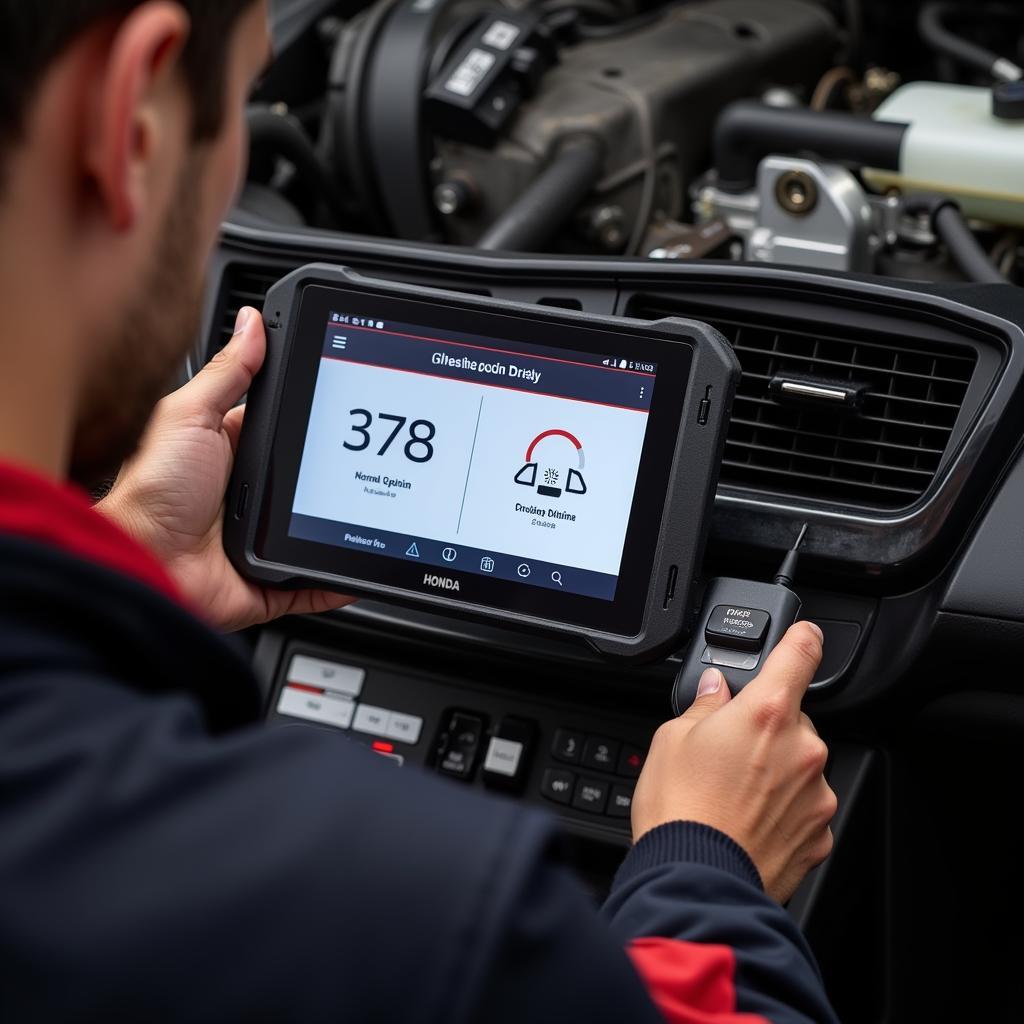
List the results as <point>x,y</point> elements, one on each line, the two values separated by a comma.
<point>284,135</point>
<point>932,28</point>
<point>949,225</point>
<point>550,201</point>
<point>747,131</point>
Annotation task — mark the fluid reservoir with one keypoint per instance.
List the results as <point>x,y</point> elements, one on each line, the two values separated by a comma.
<point>957,146</point>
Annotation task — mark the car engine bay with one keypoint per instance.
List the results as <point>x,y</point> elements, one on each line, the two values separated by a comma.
<point>838,188</point>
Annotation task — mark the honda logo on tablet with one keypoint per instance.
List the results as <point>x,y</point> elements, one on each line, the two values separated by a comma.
<point>440,582</point>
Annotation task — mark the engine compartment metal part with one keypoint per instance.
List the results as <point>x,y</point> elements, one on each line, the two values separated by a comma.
<point>651,95</point>
<point>785,132</point>
<point>812,213</point>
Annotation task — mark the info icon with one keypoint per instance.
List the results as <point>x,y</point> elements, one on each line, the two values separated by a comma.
<point>487,564</point>
<point>449,554</point>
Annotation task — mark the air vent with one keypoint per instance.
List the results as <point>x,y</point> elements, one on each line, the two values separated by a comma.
<point>882,454</point>
<point>242,285</point>
<point>246,284</point>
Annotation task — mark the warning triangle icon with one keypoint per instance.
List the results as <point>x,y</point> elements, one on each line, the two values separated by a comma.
<point>413,552</point>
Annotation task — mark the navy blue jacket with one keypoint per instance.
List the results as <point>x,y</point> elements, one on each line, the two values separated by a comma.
<point>163,857</point>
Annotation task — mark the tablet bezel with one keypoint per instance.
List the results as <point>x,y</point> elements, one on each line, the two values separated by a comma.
<point>621,616</point>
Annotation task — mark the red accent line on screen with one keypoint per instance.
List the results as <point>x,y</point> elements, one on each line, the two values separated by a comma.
<point>484,384</point>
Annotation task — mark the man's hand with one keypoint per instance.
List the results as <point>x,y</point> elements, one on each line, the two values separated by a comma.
<point>750,766</point>
<point>170,496</point>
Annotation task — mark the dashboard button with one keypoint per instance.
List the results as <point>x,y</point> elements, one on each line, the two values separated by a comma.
<point>313,706</point>
<point>459,745</point>
<point>558,785</point>
<point>621,802</point>
<point>591,795</point>
<point>601,753</point>
<point>507,762</point>
<point>371,720</point>
<point>503,757</point>
<point>327,675</point>
<point>567,746</point>
<point>631,761</point>
<point>406,728</point>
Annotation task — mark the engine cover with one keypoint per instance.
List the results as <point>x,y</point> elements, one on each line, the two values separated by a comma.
<point>651,95</point>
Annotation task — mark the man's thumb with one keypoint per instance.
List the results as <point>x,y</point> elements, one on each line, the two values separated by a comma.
<point>224,382</point>
<point>712,693</point>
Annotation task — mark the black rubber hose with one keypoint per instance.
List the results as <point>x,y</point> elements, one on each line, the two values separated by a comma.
<point>949,225</point>
<point>963,247</point>
<point>284,136</point>
<point>932,28</point>
<point>748,131</point>
<point>550,201</point>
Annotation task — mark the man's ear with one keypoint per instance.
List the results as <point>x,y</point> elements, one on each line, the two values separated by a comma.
<point>136,108</point>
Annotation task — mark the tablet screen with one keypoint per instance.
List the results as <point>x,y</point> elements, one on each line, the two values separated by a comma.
<point>469,454</point>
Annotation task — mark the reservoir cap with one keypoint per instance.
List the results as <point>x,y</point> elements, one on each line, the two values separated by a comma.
<point>1008,101</point>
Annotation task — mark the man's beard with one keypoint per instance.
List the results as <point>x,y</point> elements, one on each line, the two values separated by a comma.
<point>153,338</point>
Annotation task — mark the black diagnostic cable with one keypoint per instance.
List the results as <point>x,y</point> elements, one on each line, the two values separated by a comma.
<point>948,223</point>
<point>931,24</point>
<point>787,571</point>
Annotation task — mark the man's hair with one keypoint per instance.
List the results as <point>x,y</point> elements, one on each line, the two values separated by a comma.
<point>34,33</point>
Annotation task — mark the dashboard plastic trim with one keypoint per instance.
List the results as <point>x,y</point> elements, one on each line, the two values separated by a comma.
<point>856,543</point>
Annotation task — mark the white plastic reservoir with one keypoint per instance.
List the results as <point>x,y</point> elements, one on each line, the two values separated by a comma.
<point>957,147</point>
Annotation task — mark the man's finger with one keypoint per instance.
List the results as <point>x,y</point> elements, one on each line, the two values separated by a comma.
<point>223,383</point>
<point>233,426</point>
<point>789,669</point>
<point>712,693</point>
<point>304,602</point>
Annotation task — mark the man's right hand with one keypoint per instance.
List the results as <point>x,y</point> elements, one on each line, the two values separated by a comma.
<point>751,766</point>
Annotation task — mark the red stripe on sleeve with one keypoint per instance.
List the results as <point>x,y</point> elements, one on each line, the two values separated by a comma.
<point>690,983</point>
<point>60,515</point>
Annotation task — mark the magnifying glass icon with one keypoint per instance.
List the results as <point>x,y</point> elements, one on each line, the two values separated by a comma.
<point>556,577</point>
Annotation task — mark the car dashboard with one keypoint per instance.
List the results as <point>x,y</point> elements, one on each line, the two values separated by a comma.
<point>913,560</point>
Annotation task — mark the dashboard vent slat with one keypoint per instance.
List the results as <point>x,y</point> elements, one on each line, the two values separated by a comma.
<point>882,455</point>
<point>242,285</point>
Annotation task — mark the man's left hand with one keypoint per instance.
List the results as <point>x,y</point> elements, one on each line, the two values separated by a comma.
<point>170,495</point>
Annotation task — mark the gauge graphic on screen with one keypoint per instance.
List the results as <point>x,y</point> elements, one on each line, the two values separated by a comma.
<point>554,465</point>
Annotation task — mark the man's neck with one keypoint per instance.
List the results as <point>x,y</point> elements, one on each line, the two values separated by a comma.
<point>38,395</point>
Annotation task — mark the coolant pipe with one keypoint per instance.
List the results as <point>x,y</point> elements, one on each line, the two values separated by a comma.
<point>932,28</point>
<point>550,201</point>
<point>948,224</point>
<point>748,131</point>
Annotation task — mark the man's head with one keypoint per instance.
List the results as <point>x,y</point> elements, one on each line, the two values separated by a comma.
<point>121,147</point>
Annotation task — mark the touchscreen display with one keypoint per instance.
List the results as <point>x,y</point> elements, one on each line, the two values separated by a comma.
<point>462,453</point>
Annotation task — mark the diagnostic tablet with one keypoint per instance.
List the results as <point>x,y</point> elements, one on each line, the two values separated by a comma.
<point>544,468</point>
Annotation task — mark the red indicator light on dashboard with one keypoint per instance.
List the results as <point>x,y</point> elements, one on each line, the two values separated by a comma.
<point>318,690</point>
<point>383,748</point>
<point>633,760</point>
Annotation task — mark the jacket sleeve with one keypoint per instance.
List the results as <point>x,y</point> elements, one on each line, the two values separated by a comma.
<point>712,948</point>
